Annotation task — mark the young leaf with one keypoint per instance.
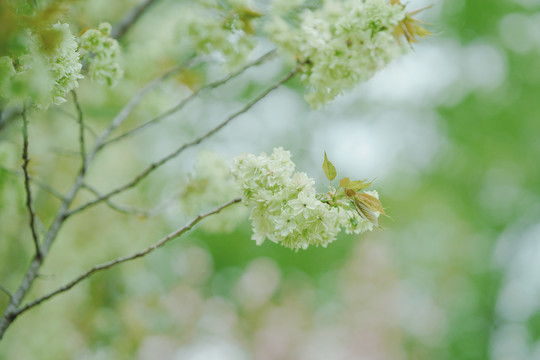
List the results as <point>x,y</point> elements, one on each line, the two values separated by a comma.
<point>371,202</point>
<point>365,212</point>
<point>329,169</point>
<point>344,182</point>
<point>350,193</point>
<point>357,185</point>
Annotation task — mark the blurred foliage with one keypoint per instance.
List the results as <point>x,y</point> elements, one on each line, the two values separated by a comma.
<point>427,287</point>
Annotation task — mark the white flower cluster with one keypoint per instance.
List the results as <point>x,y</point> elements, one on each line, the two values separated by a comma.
<point>47,69</point>
<point>285,207</point>
<point>64,64</point>
<point>212,185</point>
<point>221,28</point>
<point>101,52</point>
<point>340,44</point>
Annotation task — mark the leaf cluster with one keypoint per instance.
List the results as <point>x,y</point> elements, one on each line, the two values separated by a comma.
<point>367,205</point>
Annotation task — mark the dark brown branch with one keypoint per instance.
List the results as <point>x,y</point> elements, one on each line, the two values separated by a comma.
<point>131,18</point>
<point>120,260</point>
<point>178,151</point>
<point>29,205</point>
<point>192,96</point>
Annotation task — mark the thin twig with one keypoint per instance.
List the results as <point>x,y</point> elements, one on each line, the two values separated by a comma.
<point>192,96</point>
<point>40,226</point>
<point>178,151</point>
<point>48,189</point>
<point>120,208</point>
<point>135,100</point>
<point>165,204</point>
<point>120,260</point>
<point>65,112</point>
<point>6,291</point>
<point>31,274</point>
<point>74,117</point>
<point>134,211</point>
<point>39,183</point>
<point>120,29</point>
<point>65,152</point>
<point>26,160</point>
<point>80,119</point>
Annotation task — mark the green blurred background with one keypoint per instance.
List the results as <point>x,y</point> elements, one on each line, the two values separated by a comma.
<point>451,133</point>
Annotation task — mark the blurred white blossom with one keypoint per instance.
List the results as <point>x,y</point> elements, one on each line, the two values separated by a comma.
<point>101,52</point>
<point>64,64</point>
<point>224,29</point>
<point>212,185</point>
<point>45,71</point>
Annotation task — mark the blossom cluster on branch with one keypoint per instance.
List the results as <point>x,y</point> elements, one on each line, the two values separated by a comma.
<point>46,64</point>
<point>340,44</point>
<point>45,70</point>
<point>101,51</point>
<point>334,45</point>
<point>225,29</point>
<point>286,208</point>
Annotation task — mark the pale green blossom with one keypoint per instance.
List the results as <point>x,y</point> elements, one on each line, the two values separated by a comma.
<point>283,7</point>
<point>212,185</point>
<point>101,52</point>
<point>340,44</point>
<point>64,65</point>
<point>45,70</point>
<point>224,29</point>
<point>285,207</point>
<point>350,220</point>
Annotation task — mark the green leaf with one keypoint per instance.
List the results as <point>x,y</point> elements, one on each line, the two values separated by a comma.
<point>344,182</point>
<point>329,169</point>
<point>365,212</point>
<point>358,185</point>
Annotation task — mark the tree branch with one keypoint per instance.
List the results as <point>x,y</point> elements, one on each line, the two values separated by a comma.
<point>26,160</point>
<point>117,207</point>
<point>62,214</point>
<point>178,151</point>
<point>128,108</point>
<point>164,204</point>
<point>193,95</point>
<point>131,18</point>
<point>124,209</point>
<point>82,147</point>
<point>110,264</point>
